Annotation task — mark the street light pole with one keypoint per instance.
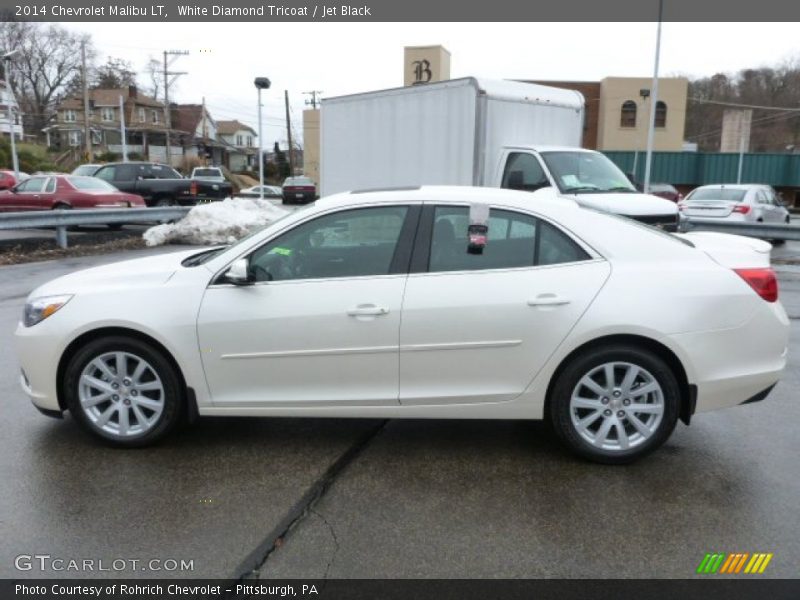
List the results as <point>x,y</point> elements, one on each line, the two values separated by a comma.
<point>11,122</point>
<point>261,83</point>
<point>653,104</point>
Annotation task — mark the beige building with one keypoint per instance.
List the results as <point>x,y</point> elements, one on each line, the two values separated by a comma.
<point>425,64</point>
<point>624,113</point>
<point>311,145</point>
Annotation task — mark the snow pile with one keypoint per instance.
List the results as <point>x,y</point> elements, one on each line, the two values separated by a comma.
<point>221,222</point>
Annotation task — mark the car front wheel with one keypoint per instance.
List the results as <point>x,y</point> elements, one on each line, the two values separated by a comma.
<point>123,391</point>
<point>615,404</point>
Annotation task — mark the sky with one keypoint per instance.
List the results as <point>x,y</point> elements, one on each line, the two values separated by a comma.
<point>345,58</point>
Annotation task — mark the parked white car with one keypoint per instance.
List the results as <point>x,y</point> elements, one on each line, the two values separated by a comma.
<point>370,305</point>
<point>753,203</point>
<point>270,191</point>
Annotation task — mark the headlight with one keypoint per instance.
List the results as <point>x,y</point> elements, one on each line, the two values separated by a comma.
<point>39,309</point>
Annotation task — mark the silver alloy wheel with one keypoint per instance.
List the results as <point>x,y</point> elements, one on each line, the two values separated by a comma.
<point>617,406</point>
<point>121,394</point>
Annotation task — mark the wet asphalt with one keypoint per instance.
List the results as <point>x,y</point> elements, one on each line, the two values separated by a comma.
<point>365,498</point>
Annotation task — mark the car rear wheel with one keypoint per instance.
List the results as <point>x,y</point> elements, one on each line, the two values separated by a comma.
<point>123,391</point>
<point>615,404</point>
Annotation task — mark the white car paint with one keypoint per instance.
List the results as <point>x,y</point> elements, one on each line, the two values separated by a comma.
<point>468,344</point>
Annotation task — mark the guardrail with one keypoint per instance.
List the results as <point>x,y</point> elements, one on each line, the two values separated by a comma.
<point>764,231</point>
<point>62,219</point>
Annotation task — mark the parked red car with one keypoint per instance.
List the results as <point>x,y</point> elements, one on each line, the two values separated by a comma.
<point>65,191</point>
<point>8,180</point>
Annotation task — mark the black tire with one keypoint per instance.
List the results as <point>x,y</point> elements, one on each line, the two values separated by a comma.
<point>165,202</point>
<point>174,397</point>
<point>582,364</point>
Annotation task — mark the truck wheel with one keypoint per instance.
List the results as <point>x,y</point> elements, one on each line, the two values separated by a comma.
<point>165,202</point>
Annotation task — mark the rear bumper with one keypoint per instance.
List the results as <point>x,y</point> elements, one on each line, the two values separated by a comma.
<point>741,364</point>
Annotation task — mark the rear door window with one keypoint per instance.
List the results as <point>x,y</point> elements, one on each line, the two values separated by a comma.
<point>514,240</point>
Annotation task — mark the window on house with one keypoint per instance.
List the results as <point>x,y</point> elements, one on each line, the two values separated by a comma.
<point>238,140</point>
<point>628,114</point>
<point>142,115</point>
<point>107,114</point>
<point>69,116</point>
<point>155,116</point>
<point>661,114</point>
<point>74,138</point>
<point>249,141</point>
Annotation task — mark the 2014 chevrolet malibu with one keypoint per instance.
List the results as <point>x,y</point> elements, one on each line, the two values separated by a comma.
<point>392,304</point>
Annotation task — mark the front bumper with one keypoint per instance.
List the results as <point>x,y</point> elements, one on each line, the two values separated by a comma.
<point>39,350</point>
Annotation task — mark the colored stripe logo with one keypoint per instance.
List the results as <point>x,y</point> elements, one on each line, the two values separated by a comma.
<point>734,563</point>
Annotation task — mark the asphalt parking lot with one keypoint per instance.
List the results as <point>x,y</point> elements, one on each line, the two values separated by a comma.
<point>395,498</point>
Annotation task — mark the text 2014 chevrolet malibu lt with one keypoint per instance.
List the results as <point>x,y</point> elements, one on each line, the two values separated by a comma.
<point>436,302</point>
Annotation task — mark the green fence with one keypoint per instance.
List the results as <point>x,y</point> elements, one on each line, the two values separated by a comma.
<point>700,168</point>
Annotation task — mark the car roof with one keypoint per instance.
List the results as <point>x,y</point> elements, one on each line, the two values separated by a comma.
<point>546,148</point>
<point>545,201</point>
<point>732,186</point>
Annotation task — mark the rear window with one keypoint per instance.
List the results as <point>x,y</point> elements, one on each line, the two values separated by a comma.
<point>90,183</point>
<point>207,173</point>
<point>298,181</point>
<point>717,195</point>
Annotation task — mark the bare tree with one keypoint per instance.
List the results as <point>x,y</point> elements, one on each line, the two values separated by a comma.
<point>155,77</point>
<point>48,62</point>
<point>115,73</point>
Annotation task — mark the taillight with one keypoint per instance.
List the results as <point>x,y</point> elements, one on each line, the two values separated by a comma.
<point>193,188</point>
<point>742,208</point>
<point>763,282</point>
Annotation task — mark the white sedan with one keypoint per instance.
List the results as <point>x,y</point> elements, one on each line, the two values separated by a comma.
<point>382,305</point>
<point>747,202</point>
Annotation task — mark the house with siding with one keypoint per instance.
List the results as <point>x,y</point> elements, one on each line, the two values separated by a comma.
<point>241,145</point>
<point>144,123</point>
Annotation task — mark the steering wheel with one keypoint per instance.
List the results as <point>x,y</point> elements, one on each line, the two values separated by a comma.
<point>274,267</point>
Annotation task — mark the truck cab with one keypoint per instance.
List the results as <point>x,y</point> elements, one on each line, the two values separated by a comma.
<point>586,176</point>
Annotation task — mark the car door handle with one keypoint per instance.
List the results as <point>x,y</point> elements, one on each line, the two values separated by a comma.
<point>367,310</point>
<point>548,300</point>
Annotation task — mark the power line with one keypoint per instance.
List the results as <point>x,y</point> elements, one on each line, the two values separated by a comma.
<point>737,105</point>
<point>312,102</point>
<point>763,121</point>
<point>167,83</point>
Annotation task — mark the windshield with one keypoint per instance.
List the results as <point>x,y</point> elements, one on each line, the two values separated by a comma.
<point>586,172</point>
<point>91,183</point>
<point>86,170</point>
<point>717,195</point>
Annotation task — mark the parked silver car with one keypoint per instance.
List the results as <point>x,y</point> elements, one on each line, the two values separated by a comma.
<point>754,203</point>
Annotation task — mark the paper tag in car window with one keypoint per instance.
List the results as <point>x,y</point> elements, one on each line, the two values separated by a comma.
<point>478,230</point>
<point>281,251</point>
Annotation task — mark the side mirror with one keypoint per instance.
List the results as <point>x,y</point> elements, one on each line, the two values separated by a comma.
<point>239,273</point>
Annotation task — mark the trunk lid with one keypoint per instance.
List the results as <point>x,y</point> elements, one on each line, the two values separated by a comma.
<point>708,210</point>
<point>732,251</point>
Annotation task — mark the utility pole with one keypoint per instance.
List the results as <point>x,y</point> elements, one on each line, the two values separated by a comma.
<point>289,133</point>
<point>122,129</point>
<point>312,102</point>
<point>168,82</point>
<point>87,138</point>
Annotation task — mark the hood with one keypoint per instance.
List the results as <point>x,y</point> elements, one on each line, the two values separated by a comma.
<point>627,203</point>
<point>732,251</point>
<point>151,270</point>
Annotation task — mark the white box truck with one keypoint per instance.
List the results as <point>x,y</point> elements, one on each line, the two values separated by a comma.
<point>475,132</point>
